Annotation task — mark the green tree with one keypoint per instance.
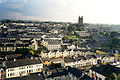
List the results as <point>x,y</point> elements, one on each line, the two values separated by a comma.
<point>107,78</point>
<point>65,38</point>
<point>71,28</point>
<point>114,34</point>
<point>22,51</point>
<point>31,52</point>
<point>113,76</point>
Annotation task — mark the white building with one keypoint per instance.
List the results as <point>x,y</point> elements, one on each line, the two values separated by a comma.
<point>2,72</point>
<point>52,44</point>
<point>22,67</point>
<point>69,61</point>
<point>71,46</point>
<point>79,61</point>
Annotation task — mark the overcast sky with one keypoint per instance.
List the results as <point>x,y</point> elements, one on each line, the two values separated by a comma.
<point>93,11</point>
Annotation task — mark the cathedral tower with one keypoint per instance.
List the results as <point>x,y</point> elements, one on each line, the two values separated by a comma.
<point>80,22</point>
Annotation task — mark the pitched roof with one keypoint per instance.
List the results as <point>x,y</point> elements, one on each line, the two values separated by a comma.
<point>75,72</point>
<point>22,62</point>
<point>69,59</point>
<point>79,58</point>
<point>90,56</point>
<point>55,42</point>
<point>106,70</point>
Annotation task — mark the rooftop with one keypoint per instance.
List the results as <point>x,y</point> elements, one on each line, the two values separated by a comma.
<point>22,62</point>
<point>106,70</point>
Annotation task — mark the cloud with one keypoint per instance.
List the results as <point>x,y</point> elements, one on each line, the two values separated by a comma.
<point>25,1</point>
<point>13,9</point>
<point>94,11</point>
<point>1,1</point>
<point>16,15</point>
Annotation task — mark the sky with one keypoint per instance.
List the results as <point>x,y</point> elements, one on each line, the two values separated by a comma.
<point>93,11</point>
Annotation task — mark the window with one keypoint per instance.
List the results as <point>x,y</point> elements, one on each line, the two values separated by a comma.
<point>11,70</point>
<point>22,72</point>
<point>2,71</point>
<point>30,71</point>
<point>21,68</point>
<point>12,74</point>
<point>30,66</point>
<point>27,71</point>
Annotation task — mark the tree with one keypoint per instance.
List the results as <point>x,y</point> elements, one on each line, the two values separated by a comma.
<point>113,76</point>
<point>65,38</point>
<point>22,51</point>
<point>114,34</point>
<point>31,52</point>
<point>71,28</point>
<point>107,78</point>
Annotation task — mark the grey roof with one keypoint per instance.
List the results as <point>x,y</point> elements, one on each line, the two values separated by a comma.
<point>83,50</point>
<point>45,59</point>
<point>69,59</point>
<point>52,36</point>
<point>56,59</point>
<point>79,58</point>
<point>55,50</point>
<point>75,72</point>
<point>106,70</point>
<point>90,56</point>
<point>13,55</point>
<point>22,62</point>
<point>56,72</point>
<point>46,51</point>
<point>53,42</point>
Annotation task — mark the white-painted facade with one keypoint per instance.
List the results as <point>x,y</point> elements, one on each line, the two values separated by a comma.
<point>23,70</point>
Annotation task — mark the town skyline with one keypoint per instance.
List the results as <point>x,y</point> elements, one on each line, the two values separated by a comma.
<point>93,11</point>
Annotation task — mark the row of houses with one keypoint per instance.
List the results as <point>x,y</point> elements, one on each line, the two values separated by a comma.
<point>65,74</point>
<point>12,45</point>
<point>79,61</point>
<point>88,60</point>
<point>19,68</point>
<point>23,67</point>
<point>65,53</point>
<point>101,72</point>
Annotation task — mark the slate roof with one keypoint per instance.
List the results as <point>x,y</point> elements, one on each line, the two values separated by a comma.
<point>90,56</point>
<point>46,51</point>
<point>22,62</point>
<point>52,36</point>
<point>69,59</point>
<point>75,72</point>
<point>56,72</point>
<point>79,58</point>
<point>106,70</point>
<point>81,50</point>
<point>13,55</point>
<point>55,42</point>
<point>52,41</point>
<point>45,59</point>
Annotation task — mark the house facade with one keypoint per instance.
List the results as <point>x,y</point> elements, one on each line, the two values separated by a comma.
<point>22,67</point>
